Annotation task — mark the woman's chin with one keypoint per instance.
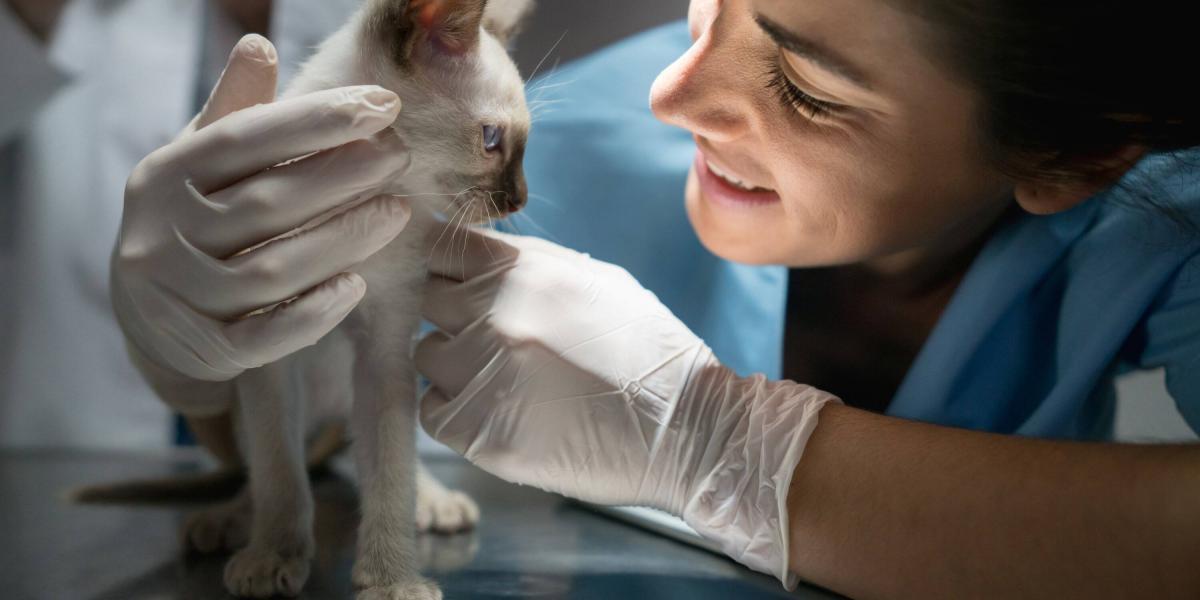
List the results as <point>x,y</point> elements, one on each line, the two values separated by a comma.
<point>736,235</point>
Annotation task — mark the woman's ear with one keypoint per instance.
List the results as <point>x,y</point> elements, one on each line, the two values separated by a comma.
<point>1044,197</point>
<point>504,18</point>
<point>1049,197</point>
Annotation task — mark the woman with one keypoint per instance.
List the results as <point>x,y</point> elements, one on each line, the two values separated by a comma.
<point>891,139</point>
<point>892,153</point>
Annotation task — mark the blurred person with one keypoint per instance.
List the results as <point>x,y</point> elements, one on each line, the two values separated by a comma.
<point>91,87</point>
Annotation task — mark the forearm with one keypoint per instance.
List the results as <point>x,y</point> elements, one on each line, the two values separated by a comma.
<point>41,16</point>
<point>885,508</point>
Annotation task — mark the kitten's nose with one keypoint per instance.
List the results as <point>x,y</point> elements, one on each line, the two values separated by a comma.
<point>516,193</point>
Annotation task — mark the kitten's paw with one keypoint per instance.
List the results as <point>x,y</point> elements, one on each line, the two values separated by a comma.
<point>221,528</point>
<point>262,573</point>
<point>445,511</point>
<point>420,589</point>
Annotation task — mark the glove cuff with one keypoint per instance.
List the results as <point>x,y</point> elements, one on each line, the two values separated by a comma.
<point>740,499</point>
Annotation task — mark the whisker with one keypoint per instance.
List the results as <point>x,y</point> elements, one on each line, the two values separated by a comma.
<point>540,89</point>
<point>536,118</point>
<point>551,86</point>
<point>423,195</point>
<point>511,223</point>
<point>542,231</point>
<point>548,201</point>
<point>462,259</point>
<point>437,243</point>
<point>548,53</point>
<point>494,211</point>
<point>537,111</point>
<point>492,202</point>
<point>460,209</point>
<point>454,230</point>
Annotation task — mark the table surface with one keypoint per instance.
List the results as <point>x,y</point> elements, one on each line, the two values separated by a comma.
<point>529,545</point>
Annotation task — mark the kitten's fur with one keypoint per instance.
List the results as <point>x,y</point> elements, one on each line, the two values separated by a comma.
<point>447,61</point>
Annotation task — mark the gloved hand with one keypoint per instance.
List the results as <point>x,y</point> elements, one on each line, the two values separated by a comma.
<point>195,285</point>
<point>559,371</point>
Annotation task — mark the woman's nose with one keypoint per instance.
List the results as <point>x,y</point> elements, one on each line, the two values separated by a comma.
<point>702,91</point>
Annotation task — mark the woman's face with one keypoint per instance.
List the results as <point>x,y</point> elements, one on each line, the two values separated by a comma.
<point>826,134</point>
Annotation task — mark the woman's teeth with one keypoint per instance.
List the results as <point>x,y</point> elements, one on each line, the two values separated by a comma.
<point>731,180</point>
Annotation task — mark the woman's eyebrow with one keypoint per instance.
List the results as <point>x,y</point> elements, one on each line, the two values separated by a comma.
<point>821,56</point>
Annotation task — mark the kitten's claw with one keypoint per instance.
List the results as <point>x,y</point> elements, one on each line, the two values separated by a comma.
<point>445,511</point>
<point>413,590</point>
<point>258,573</point>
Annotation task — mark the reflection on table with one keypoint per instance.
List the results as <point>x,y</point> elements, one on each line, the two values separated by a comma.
<point>529,545</point>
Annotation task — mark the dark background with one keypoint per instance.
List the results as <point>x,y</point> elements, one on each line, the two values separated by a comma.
<point>587,25</point>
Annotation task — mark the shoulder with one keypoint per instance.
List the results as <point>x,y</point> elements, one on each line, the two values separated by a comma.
<point>1159,197</point>
<point>1143,237</point>
<point>1156,213</point>
<point>1148,223</point>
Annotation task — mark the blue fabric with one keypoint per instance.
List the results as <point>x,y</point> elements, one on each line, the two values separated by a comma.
<point>1055,307</point>
<point>1052,309</point>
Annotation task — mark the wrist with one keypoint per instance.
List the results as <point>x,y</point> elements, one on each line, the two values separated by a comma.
<point>682,448</point>
<point>738,495</point>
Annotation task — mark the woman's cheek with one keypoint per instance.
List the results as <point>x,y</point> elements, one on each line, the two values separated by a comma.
<point>826,202</point>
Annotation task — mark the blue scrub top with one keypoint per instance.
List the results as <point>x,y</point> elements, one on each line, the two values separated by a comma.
<point>1050,312</point>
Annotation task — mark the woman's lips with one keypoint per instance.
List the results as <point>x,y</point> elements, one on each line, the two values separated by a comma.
<point>724,191</point>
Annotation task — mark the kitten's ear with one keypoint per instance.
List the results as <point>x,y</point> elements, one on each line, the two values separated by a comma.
<point>504,18</point>
<point>452,26</point>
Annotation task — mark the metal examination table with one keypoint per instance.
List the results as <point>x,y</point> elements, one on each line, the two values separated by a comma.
<point>529,545</point>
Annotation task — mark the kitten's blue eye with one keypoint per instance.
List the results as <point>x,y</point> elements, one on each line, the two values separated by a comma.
<point>493,138</point>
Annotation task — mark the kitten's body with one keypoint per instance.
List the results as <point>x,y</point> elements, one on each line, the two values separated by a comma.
<point>451,79</point>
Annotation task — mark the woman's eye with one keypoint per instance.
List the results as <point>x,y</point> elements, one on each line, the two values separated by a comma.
<point>493,138</point>
<point>795,98</point>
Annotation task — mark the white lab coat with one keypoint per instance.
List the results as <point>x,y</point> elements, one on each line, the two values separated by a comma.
<point>119,80</point>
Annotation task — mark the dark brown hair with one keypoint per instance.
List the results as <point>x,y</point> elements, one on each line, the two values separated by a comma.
<point>1068,85</point>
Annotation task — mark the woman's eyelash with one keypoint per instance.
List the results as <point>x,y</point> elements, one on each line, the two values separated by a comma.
<point>796,99</point>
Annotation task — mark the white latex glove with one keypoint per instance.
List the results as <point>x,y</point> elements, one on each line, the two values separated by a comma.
<point>191,275</point>
<point>559,371</point>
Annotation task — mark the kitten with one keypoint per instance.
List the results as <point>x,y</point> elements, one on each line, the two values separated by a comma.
<point>465,123</point>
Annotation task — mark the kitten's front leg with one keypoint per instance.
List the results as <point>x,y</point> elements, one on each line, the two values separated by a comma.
<point>271,418</point>
<point>384,422</point>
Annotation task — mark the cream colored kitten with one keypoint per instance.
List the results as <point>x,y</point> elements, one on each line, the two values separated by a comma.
<point>464,123</point>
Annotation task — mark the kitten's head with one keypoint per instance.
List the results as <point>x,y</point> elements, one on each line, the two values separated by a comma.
<point>465,119</point>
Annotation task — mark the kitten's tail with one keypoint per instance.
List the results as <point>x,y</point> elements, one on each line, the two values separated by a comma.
<point>212,486</point>
<point>201,487</point>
